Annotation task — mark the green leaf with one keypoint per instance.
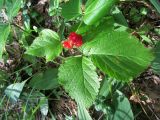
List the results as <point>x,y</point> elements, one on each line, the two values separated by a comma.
<point>109,86</point>
<point>43,104</point>
<point>122,107</point>
<point>78,77</point>
<point>82,112</point>
<point>53,7</point>
<point>156,63</point>
<point>3,75</point>
<point>80,28</point>
<point>71,9</point>
<point>13,91</point>
<point>119,17</point>
<point>13,7</point>
<point>118,54</point>
<point>105,88</point>
<point>38,101</point>
<point>4,32</point>
<point>146,39</point>
<point>1,4</point>
<point>45,80</point>
<point>97,9</point>
<point>92,31</point>
<point>156,4</point>
<point>47,44</point>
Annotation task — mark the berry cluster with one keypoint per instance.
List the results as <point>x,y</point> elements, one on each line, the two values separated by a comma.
<point>74,39</point>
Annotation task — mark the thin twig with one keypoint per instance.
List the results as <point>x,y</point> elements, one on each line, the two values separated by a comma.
<point>153,112</point>
<point>23,29</point>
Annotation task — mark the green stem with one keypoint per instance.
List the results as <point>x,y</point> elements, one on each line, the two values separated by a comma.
<point>79,26</point>
<point>23,29</point>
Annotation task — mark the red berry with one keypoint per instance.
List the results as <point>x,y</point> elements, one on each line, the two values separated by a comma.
<point>76,39</point>
<point>78,43</point>
<point>67,44</point>
<point>72,36</point>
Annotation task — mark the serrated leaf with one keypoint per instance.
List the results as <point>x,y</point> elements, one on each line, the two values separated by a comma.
<point>79,79</point>
<point>156,63</point>
<point>13,91</point>
<point>71,9</point>
<point>4,32</point>
<point>118,54</point>
<point>96,9</point>
<point>13,7</point>
<point>47,44</point>
<point>45,80</point>
<point>83,113</point>
<point>122,108</point>
<point>107,24</point>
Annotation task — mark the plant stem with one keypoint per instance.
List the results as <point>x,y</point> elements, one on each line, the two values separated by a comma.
<point>23,29</point>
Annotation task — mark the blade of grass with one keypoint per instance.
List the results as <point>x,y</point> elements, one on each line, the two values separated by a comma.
<point>53,118</point>
<point>27,103</point>
<point>156,4</point>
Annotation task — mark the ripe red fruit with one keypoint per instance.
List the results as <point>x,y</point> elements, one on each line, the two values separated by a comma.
<point>78,43</point>
<point>76,39</point>
<point>73,36</point>
<point>67,44</point>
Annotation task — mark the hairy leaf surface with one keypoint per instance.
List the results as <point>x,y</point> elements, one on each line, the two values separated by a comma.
<point>118,54</point>
<point>79,79</point>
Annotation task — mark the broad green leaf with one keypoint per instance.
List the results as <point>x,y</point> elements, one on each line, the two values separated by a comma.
<point>71,9</point>
<point>88,2</point>
<point>107,24</point>
<point>122,108</point>
<point>1,4</point>
<point>4,32</point>
<point>82,112</point>
<point>13,91</point>
<point>118,54</point>
<point>80,28</point>
<point>156,4</point>
<point>47,44</point>
<point>45,80</point>
<point>156,63</point>
<point>97,9</point>
<point>13,7</point>
<point>79,79</point>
